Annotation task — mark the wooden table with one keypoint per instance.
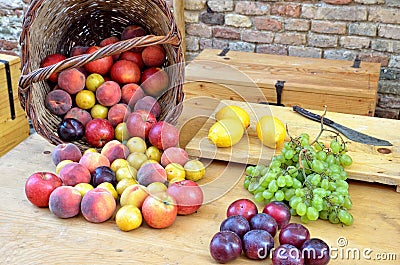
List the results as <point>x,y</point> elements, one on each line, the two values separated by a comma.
<point>31,235</point>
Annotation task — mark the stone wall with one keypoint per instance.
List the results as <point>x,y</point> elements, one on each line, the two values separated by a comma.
<point>331,29</point>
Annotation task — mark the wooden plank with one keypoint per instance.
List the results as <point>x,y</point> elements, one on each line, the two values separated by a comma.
<point>307,64</point>
<point>296,79</point>
<point>338,103</point>
<point>371,163</point>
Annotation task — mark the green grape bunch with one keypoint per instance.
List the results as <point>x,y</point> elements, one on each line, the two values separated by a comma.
<point>309,177</point>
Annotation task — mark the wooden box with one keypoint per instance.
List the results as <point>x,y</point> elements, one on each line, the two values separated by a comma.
<point>14,127</point>
<point>308,82</point>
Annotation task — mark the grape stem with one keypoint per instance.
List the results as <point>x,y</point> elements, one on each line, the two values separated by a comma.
<point>322,125</point>
<point>327,130</point>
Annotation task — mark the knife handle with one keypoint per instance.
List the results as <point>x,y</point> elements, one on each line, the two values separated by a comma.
<point>312,116</point>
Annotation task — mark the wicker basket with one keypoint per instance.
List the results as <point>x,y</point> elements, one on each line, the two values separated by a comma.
<point>52,26</point>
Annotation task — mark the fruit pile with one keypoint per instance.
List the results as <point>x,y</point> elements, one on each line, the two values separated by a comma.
<point>309,176</point>
<point>149,183</point>
<point>248,231</point>
<point>114,97</point>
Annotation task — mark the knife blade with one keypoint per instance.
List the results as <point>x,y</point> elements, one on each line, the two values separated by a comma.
<point>349,133</point>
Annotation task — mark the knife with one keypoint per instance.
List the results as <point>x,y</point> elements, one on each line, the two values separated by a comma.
<point>349,133</point>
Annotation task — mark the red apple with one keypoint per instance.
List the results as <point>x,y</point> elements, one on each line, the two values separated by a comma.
<point>139,123</point>
<point>50,60</point>
<point>98,132</point>
<point>125,72</point>
<point>134,57</point>
<point>159,210</point>
<point>100,66</point>
<point>244,207</point>
<point>164,135</point>
<point>188,196</point>
<point>154,81</point>
<point>39,186</point>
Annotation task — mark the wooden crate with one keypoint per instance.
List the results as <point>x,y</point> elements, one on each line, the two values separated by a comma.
<point>310,83</point>
<point>14,126</point>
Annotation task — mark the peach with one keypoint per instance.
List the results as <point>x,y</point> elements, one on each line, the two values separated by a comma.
<point>79,114</point>
<point>71,80</point>
<point>153,56</point>
<point>174,155</point>
<point>58,102</point>
<point>134,194</point>
<point>67,151</point>
<point>93,160</point>
<point>65,201</point>
<point>74,173</point>
<point>150,104</point>
<point>118,113</point>
<point>135,57</point>
<point>131,93</point>
<point>114,149</point>
<point>78,50</point>
<point>125,71</point>
<point>108,93</point>
<point>154,81</point>
<point>98,205</point>
<point>151,172</point>
<point>100,66</point>
<point>50,60</point>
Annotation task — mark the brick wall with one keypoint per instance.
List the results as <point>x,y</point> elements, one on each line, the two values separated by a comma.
<point>331,29</point>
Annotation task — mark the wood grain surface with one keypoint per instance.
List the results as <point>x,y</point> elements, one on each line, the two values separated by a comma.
<point>31,235</point>
<point>308,81</point>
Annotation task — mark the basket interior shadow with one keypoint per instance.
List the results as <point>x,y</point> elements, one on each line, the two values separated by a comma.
<point>57,26</point>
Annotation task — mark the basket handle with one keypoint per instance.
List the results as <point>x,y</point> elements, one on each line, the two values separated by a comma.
<point>76,61</point>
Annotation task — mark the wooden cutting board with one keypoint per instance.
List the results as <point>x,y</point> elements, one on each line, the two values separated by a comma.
<point>370,163</point>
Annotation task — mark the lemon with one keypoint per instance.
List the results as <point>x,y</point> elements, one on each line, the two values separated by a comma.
<point>271,131</point>
<point>226,132</point>
<point>233,112</point>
